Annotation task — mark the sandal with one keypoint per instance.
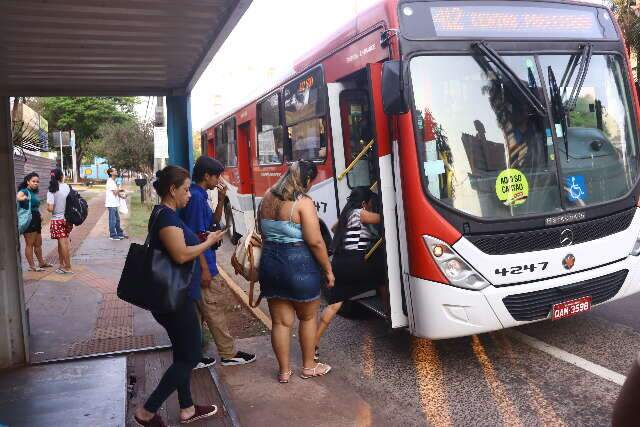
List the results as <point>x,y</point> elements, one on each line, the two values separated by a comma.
<point>63,271</point>
<point>201,413</point>
<point>319,370</point>
<point>283,377</point>
<point>36,269</point>
<point>46,265</point>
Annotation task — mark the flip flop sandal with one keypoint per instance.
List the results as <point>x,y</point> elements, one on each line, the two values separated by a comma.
<point>46,265</point>
<point>324,370</point>
<point>283,377</point>
<point>37,269</point>
<point>61,271</point>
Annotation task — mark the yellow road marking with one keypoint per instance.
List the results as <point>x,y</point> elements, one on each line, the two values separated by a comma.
<point>429,376</point>
<point>506,407</point>
<point>368,357</point>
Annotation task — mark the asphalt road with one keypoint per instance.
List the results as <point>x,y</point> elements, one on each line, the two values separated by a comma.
<point>490,379</point>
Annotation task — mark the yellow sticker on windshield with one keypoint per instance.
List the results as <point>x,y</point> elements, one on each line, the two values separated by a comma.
<point>512,187</point>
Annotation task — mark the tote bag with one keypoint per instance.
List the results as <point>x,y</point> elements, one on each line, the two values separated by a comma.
<point>151,279</point>
<point>24,217</point>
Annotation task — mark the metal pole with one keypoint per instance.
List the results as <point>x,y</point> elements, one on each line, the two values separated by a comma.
<point>13,318</point>
<point>61,153</point>
<point>74,166</point>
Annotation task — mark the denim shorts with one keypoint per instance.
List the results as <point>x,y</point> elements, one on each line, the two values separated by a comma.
<point>289,271</point>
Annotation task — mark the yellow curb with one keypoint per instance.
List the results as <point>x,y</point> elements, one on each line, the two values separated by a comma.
<point>266,320</point>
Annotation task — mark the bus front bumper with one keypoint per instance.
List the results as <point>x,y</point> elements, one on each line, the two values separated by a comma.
<point>444,311</point>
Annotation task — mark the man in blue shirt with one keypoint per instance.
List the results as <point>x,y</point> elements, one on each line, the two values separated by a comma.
<point>200,218</point>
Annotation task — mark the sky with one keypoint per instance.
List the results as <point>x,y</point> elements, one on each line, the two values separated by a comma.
<point>261,51</point>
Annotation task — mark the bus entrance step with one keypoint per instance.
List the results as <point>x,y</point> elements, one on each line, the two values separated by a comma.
<point>373,304</point>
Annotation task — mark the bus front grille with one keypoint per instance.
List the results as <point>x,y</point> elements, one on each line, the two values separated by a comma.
<point>551,238</point>
<point>537,305</point>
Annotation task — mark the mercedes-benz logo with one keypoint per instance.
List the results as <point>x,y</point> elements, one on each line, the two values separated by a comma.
<point>566,237</point>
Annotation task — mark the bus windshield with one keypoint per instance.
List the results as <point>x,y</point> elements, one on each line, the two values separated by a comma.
<point>486,152</point>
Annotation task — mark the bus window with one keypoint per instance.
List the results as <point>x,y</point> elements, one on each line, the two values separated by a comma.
<point>308,140</point>
<point>221,152</point>
<point>270,137</point>
<point>304,110</point>
<point>226,151</point>
<point>357,132</point>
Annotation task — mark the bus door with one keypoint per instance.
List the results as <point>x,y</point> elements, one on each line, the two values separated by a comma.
<point>390,191</point>
<point>243,214</point>
<point>361,146</point>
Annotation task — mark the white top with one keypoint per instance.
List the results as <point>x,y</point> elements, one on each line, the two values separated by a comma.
<point>112,200</point>
<point>59,201</point>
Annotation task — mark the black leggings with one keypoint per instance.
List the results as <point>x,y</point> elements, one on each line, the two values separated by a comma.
<point>183,328</point>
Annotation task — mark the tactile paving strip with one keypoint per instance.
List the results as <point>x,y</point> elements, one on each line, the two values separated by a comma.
<point>110,345</point>
<point>113,332</point>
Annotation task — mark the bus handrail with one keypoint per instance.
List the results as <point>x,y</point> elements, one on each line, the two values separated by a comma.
<point>373,249</point>
<point>357,159</point>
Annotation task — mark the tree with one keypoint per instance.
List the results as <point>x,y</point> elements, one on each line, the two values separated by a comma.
<point>627,17</point>
<point>127,145</point>
<point>85,116</point>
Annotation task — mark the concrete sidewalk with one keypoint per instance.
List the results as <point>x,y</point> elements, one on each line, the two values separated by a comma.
<point>80,314</point>
<point>350,395</point>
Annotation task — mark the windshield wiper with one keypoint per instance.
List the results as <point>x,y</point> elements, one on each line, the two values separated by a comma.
<point>505,70</point>
<point>586,53</point>
<point>558,109</point>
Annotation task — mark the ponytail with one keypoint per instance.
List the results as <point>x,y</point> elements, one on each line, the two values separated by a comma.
<point>56,177</point>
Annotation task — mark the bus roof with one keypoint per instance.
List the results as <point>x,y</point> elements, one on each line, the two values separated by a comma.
<point>377,14</point>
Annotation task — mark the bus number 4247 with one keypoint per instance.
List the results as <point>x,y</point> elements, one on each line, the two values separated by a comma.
<point>519,269</point>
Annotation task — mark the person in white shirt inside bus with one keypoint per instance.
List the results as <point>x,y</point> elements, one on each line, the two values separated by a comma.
<point>112,203</point>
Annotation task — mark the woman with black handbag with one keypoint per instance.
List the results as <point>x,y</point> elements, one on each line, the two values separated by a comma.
<point>168,233</point>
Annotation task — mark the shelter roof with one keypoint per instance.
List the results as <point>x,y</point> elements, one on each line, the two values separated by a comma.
<point>110,47</point>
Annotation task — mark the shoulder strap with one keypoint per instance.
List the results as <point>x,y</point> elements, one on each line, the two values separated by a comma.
<point>292,208</point>
<point>153,225</point>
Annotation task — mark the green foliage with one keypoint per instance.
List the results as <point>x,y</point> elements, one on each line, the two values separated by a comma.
<point>582,115</point>
<point>629,24</point>
<point>139,214</point>
<point>127,145</point>
<point>85,115</point>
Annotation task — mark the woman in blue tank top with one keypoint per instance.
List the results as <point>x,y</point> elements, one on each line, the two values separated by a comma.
<point>293,264</point>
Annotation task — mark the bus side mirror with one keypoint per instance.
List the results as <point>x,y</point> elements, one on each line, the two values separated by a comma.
<point>393,96</point>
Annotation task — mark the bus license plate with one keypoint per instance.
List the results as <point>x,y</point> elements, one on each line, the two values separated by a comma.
<point>570,308</point>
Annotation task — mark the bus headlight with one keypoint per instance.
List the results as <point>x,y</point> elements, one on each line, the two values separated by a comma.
<point>457,271</point>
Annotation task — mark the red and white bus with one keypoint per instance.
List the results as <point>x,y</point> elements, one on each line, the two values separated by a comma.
<point>502,137</point>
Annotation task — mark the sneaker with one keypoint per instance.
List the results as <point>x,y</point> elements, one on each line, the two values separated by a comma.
<point>241,358</point>
<point>116,238</point>
<point>205,362</point>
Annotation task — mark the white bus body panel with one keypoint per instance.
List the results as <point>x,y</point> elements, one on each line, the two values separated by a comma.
<point>445,311</point>
<point>587,255</point>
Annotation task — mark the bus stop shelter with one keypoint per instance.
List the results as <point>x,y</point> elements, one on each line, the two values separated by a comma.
<point>97,48</point>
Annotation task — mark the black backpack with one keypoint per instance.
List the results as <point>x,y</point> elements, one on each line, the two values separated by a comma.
<point>76,209</point>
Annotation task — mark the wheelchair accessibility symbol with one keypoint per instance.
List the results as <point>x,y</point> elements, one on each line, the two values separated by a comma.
<point>576,188</point>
